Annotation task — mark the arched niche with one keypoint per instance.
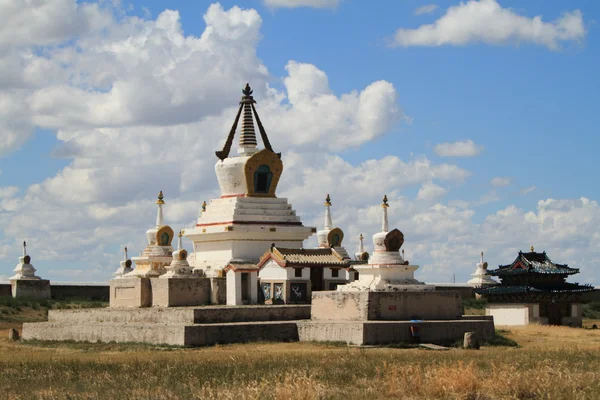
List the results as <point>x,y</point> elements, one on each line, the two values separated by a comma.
<point>335,237</point>
<point>164,236</point>
<point>263,170</point>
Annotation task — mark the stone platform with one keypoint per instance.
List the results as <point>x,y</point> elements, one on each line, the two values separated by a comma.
<point>388,332</point>
<point>181,326</point>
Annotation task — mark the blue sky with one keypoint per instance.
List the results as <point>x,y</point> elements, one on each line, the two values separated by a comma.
<point>530,110</point>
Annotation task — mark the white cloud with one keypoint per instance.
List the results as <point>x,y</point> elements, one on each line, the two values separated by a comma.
<point>528,189</point>
<point>500,181</point>
<point>487,22</point>
<point>430,191</point>
<point>47,22</point>
<point>426,9</point>
<point>302,3</point>
<point>466,148</point>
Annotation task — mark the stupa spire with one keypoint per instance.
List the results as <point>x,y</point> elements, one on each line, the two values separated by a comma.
<point>328,222</point>
<point>361,246</point>
<point>24,248</point>
<point>159,215</point>
<point>179,240</point>
<point>247,143</point>
<point>384,221</point>
<point>125,258</point>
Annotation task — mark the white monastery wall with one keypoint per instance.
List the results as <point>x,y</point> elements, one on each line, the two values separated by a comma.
<point>510,314</point>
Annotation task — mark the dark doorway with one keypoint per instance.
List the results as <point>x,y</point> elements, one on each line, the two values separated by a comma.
<point>554,314</point>
<point>316,279</point>
<point>245,288</point>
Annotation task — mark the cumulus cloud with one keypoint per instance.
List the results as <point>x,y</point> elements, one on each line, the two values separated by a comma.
<point>140,107</point>
<point>426,9</point>
<point>302,3</point>
<point>430,190</point>
<point>466,148</point>
<point>485,21</point>
<point>500,181</point>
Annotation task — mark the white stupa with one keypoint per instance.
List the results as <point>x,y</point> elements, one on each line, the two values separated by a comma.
<point>361,254</point>
<point>386,269</point>
<point>125,266</point>
<point>330,236</point>
<point>481,277</point>
<point>158,253</point>
<point>24,270</point>
<point>179,267</point>
<point>242,224</point>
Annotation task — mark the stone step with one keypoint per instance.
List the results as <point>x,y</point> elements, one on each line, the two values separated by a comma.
<point>166,334</point>
<point>182,315</point>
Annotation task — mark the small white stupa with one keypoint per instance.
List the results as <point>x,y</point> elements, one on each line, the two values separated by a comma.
<point>481,277</point>
<point>25,283</point>
<point>361,254</point>
<point>179,267</point>
<point>386,269</point>
<point>157,254</point>
<point>24,269</point>
<point>125,266</point>
<point>330,237</point>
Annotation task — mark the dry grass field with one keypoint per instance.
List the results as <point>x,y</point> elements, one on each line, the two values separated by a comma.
<point>550,363</point>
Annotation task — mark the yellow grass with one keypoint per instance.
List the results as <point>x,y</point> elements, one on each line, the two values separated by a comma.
<point>552,363</point>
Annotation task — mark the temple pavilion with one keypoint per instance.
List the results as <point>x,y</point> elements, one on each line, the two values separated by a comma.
<point>533,289</point>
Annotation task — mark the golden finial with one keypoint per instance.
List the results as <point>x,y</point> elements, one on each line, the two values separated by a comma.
<point>180,233</point>
<point>160,198</point>
<point>385,201</point>
<point>328,200</point>
<point>361,237</point>
<point>531,249</point>
<point>204,206</point>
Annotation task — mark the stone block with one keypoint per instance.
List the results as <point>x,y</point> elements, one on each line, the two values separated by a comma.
<point>173,292</point>
<point>130,292</point>
<point>387,306</point>
<point>13,334</point>
<point>471,341</point>
<point>30,288</point>
<point>218,290</point>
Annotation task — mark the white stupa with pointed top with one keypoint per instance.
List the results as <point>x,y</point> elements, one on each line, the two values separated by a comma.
<point>481,277</point>
<point>24,269</point>
<point>248,216</point>
<point>157,254</point>
<point>386,269</point>
<point>361,254</point>
<point>179,267</point>
<point>125,266</point>
<point>330,236</point>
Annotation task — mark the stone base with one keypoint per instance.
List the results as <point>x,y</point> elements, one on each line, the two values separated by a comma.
<point>130,292</point>
<point>182,326</point>
<point>388,332</point>
<point>171,292</point>
<point>394,306</point>
<point>30,288</point>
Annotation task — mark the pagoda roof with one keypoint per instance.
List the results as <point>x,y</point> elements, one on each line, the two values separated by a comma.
<point>285,257</point>
<point>523,289</point>
<point>533,262</point>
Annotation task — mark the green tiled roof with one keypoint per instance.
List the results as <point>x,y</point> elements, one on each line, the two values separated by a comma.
<point>533,262</point>
<point>521,289</point>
